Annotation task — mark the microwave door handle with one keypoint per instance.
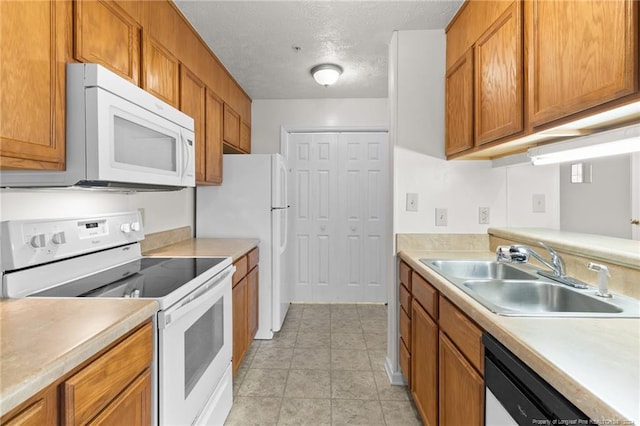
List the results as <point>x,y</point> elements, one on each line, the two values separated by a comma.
<point>171,315</point>
<point>185,154</point>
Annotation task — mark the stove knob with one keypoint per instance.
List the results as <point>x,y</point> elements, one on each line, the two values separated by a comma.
<point>38,241</point>
<point>125,227</point>
<point>135,226</point>
<point>59,238</point>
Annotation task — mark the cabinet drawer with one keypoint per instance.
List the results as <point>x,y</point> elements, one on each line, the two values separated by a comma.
<point>88,392</point>
<point>131,407</point>
<point>241,270</point>
<point>405,329</point>
<point>405,275</point>
<point>466,335</point>
<point>405,300</point>
<point>405,363</point>
<point>425,294</point>
<point>253,257</point>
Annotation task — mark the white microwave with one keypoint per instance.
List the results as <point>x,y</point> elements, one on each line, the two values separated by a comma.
<point>118,137</point>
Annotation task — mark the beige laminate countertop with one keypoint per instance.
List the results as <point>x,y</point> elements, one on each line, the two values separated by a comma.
<point>43,339</point>
<point>594,362</point>
<point>198,247</point>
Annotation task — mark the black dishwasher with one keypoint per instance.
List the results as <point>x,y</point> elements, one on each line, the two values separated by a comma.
<point>515,394</point>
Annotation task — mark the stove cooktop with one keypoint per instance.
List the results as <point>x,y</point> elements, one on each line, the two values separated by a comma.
<point>147,277</point>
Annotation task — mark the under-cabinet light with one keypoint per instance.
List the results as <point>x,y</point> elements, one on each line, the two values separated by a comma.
<point>613,142</point>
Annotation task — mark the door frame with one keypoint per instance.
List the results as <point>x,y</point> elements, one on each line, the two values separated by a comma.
<point>285,131</point>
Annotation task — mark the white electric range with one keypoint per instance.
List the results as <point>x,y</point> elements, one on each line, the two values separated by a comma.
<point>100,256</point>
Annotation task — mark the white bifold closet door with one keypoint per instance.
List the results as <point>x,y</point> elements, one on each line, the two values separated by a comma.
<point>339,199</point>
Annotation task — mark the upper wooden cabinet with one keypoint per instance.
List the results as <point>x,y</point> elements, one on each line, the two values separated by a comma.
<point>484,90</point>
<point>245,137</point>
<point>160,72</point>
<point>35,45</point>
<point>499,75</point>
<point>459,105</point>
<point>581,54</point>
<point>536,65</point>
<point>106,34</point>
<point>231,126</point>
<point>145,42</point>
<point>192,103</point>
<point>213,139</point>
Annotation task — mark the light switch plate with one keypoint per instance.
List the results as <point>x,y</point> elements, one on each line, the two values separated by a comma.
<point>441,217</point>
<point>483,215</point>
<point>412,202</point>
<point>538,203</point>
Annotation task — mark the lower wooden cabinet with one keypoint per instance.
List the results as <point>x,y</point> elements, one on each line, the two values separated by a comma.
<point>114,388</point>
<point>244,305</point>
<point>132,407</point>
<point>443,360</point>
<point>240,327</point>
<point>41,409</point>
<point>461,391</point>
<point>424,364</point>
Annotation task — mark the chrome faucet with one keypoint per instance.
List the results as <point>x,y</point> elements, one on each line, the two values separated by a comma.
<point>521,253</point>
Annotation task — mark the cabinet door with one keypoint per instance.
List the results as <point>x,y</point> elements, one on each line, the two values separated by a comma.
<point>459,105</point>
<point>192,103</point>
<point>424,364</point>
<point>41,410</point>
<point>35,45</point>
<point>231,126</point>
<point>107,35</point>
<point>581,55</point>
<point>160,72</point>
<point>132,407</point>
<point>93,388</point>
<point>498,78</point>
<point>461,388</point>
<point>252,304</point>
<point>240,327</point>
<point>213,139</point>
<point>245,137</point>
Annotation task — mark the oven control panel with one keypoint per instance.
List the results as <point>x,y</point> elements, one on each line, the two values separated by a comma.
<point>33,242</point>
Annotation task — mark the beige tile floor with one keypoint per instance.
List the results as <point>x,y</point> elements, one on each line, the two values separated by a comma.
<point>325,367</point>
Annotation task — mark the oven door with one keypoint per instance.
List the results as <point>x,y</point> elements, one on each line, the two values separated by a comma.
<point>194,338</point>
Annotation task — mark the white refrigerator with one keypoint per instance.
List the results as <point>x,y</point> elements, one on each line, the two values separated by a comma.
<point>252,203</point>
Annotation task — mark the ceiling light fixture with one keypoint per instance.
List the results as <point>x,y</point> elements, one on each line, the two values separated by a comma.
<point>613,142</point>
<point>326,74</point>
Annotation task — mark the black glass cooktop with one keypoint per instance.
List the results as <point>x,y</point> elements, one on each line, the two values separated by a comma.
<point>147,277</point>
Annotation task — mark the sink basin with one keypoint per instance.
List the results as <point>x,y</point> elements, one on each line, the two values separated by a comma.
<point>478,269</point>
<point>518,290</point>
<point>532,297</point>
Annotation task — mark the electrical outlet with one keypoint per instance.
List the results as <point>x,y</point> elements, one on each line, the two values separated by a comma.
<point>441,217</point>
<point>538,203</point>
<point>483,215</point>
<point>412,202</point>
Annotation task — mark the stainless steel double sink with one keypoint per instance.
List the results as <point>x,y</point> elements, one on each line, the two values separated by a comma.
<point>518,290</point>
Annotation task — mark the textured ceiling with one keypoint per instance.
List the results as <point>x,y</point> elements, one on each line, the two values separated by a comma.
<point>255,41</point>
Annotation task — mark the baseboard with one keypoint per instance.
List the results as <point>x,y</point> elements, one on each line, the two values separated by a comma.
<point>395,377</point>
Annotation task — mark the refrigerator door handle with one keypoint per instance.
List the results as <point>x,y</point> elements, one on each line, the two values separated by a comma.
<point>283,243</point>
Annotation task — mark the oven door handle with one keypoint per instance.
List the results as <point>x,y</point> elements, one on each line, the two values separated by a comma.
<point>193,301</point>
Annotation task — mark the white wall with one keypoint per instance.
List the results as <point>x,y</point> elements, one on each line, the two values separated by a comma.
<point>162,210</point>
<point>602,206</point>
<point>459,186</point>
<point>267,117</point>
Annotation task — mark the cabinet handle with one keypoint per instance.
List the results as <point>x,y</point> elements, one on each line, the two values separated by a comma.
<point>635,221</point>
